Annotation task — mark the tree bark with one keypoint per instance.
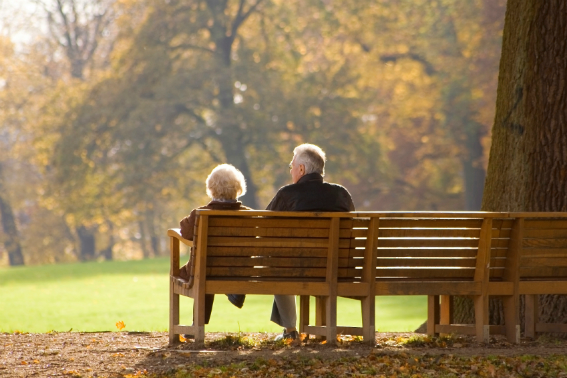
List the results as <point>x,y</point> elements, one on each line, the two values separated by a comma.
<point>528,158</point>
<point>474,173</point>
<point>527,170</point>
<point>11,239</point>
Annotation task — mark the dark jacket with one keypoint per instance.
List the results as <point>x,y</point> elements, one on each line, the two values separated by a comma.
<point>311,193</point>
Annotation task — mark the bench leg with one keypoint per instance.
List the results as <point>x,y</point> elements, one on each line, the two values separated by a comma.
<point>481,318</point>
<point>368,305</point>
<point>511,318</point>
<point>433,314</point>
<point>446,310</point>
<point>199,318</point>
<point>173,315</point>
<point>331,326</point>
<point>320,313</point>
<point>303,313</point>
<point>531,315</point>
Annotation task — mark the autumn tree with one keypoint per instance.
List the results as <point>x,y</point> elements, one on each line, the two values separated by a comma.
<point>527,170</point>
<point>528,157</point>
<point>80,29</point>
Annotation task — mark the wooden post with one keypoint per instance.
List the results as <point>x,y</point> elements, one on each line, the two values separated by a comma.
<point>482,273</point>
<point>173,297</point>
<point>303,313</point>
<point>332,280</point>
<point>433,316</point>
<point>531,314</point>
<point>200,280</point>
<point>511,303</point>
<point>446,310</point>
<point>369,276</point>
<point>320,313</point>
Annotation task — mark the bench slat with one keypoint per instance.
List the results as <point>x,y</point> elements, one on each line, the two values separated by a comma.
<point>427,252</point>
<point>268,251</point>
<point>544,224</point>
<point>286,232</point>
<point>425,273</point>
<point>544,261</point>
<point>543,252</point>
<point>530,272</point>
<point>267,242</point>
<point>239,222</point>
<point>266,262</point>
<point>427,233</point>
<point>543,287</point>
<point>432,243</point>
<point>421,262</point>
<point>428,288</point>
<point>553,243</point>
<point>545,233</point>
<point>430,223</point>
<point>261,273</point>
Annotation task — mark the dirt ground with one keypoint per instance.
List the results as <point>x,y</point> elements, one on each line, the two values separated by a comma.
<point>119,354</point>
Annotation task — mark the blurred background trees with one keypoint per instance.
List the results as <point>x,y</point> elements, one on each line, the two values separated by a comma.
<point>113,112</point>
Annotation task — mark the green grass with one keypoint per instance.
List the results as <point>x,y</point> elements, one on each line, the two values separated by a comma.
<point>94,296</point>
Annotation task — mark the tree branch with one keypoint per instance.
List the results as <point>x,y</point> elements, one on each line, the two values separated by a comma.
<point>240,17</point>
<point>429,69</point>
<point>190,46</point>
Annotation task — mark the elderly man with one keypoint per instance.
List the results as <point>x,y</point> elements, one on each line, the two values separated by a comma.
<point>307,193</point>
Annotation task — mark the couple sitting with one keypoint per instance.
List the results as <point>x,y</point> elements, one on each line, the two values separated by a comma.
<point>307,193</point>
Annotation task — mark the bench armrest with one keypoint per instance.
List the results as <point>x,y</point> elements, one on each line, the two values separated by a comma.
<point>176,233</point>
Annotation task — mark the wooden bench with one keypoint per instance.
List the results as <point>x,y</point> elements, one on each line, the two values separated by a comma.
<point>365,254</point>
<point>261,252</point>
<point>542,264</point>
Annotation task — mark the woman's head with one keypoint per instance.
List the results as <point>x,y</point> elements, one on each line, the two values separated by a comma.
<point>226,183</point>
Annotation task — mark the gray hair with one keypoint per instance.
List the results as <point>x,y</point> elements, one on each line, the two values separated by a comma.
<point>312,157</point>
<point>226,183</point>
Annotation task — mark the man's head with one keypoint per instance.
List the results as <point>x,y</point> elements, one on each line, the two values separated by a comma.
<point>307,158</point>
<point>226,183</point>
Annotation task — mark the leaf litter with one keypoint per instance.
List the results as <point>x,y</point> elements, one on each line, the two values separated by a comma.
<point>147,354</point>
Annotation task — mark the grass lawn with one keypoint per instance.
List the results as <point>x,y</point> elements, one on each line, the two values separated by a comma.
<point>95,296</point>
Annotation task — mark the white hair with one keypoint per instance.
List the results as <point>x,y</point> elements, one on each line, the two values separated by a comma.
<point>312,157</point>
<point>226,183</point>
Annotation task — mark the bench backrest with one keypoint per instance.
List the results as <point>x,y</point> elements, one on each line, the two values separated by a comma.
<point>543,252</point>
<point>426,248</point>
<point>275,248</point>
<point>264,246</point>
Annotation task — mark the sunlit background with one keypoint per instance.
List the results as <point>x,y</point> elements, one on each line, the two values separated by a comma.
<point>113,112</point>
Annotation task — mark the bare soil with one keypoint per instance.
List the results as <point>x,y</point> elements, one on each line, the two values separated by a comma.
<point>119,354</point>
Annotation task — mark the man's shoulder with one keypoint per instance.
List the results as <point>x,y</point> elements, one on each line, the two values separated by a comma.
<point>334,185</point>
<point>287,188</point>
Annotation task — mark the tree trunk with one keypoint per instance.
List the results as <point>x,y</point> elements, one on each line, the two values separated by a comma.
<point>11,239</point>
<point>87,243</point>
<point>474,174</point>
<point>527,170</point>
<point>230,135</point>
<point>107,252</point>
<point>143,242</point>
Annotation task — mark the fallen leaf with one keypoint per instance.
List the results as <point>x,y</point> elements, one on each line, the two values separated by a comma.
<point>120,325</point>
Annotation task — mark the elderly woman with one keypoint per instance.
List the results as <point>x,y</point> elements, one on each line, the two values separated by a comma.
<point>224,185</point>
